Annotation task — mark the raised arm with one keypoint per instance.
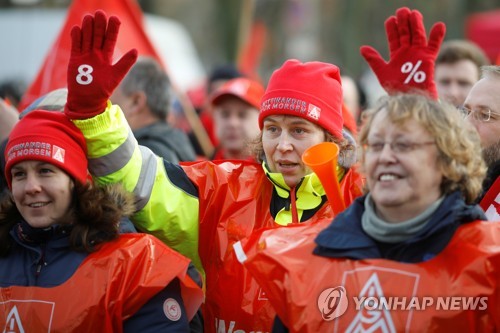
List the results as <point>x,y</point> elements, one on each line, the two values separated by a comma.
<point>412,57</point>
<point>166,200</point>
<point>91,76</point>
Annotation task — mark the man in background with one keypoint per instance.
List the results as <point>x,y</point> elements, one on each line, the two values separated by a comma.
<point>457,68</point>
<point>235,107</point>
<point>483,111</point>
<point>144,97</point>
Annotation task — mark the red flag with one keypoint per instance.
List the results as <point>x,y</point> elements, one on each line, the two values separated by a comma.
<point>249,58</point>
<point>484,29</point>
<point>52,75</point>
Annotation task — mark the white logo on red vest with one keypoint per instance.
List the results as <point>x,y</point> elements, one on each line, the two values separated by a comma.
<point>490,203</point>
<point>493,211</point>
<point>172,309</point>
<point>16,316</point>
<point>367,284</point>
<point>313,112</point>
<point>58,153</point>
<point>262,295</point>
<point>13,322</point>
<point>379,319</point>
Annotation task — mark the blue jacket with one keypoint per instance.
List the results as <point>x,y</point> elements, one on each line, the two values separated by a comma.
<point>345,238</point>
<point>47,260</point>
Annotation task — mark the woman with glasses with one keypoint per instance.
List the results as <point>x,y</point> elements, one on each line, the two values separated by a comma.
<point>412,254</point>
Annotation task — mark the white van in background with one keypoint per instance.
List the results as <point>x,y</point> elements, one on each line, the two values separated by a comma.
<point>26,35</point>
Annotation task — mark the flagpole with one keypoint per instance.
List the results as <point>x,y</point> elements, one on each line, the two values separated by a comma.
<point>246,19</point>
<point>195,123</point>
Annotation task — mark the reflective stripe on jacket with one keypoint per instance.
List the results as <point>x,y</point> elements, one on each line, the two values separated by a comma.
<point>201,209</point>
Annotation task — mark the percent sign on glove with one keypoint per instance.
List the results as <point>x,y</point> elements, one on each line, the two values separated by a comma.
<point>415,74</point>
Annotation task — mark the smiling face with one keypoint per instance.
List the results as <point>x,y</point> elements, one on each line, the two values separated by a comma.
<point>402,184</point>
<point>284,139</point>
<point>42,192</point>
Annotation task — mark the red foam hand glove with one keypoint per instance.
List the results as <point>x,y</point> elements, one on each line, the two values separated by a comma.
<point>92,77</point>
<point>412,57</point>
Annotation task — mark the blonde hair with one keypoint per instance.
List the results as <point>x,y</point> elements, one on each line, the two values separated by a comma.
<point>458,143</point>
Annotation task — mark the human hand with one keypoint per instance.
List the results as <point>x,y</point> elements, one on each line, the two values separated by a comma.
<point>412,57</point>
<point>92,77</point>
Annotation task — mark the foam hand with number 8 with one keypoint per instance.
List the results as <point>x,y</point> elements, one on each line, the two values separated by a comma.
<point>91,75</point>
<point>412,57</point>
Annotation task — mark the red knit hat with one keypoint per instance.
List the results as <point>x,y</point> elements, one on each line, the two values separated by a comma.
<point>310,90</point>
<point>50,137</point>
<point>248,90</point>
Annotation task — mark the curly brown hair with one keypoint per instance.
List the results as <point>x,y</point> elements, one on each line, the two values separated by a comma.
<point>95,214</point>
<point>457,141</point>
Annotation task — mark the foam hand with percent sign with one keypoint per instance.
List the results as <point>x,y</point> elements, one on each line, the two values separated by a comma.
<point>412,57</point>
<point>92,77</point>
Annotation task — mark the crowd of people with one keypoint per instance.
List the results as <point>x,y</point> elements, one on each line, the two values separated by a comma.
<point>104,200</point>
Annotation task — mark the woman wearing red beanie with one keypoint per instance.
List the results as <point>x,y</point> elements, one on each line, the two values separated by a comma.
<point>203,208</point>
<point>63,265</point>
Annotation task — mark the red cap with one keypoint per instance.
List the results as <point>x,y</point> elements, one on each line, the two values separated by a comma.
<point>248,90</point>
<point>50,137</point>
<point>310,90</point>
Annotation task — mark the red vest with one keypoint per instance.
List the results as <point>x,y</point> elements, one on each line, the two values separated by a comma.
<point>317,294</point>
<point>109,286</point>
<point>242,194</point>
<point>491,202</point>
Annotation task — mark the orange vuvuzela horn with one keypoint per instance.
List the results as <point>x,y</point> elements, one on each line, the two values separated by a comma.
<point>322,159</point>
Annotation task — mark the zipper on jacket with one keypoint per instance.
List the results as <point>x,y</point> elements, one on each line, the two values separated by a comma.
<point>40,263</point>
<point>293,202</point>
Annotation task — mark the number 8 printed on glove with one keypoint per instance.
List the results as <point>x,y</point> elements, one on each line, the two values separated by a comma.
<point>91,75</point>
<point>84,76</point>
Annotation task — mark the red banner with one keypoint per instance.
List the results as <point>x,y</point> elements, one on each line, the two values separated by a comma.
<point>484,30</point>
<point>52,75</point>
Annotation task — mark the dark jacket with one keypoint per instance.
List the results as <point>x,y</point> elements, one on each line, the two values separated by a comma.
<point>165,141</point>
<point>47,261</point>
<point>345,238</point>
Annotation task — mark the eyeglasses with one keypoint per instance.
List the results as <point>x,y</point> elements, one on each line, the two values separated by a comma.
<point>481,114</point>
<point>398,147</point>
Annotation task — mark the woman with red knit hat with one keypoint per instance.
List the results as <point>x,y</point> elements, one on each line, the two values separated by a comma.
<point>415,253</point>
<point>63,265</point>
<point>202,209</point>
